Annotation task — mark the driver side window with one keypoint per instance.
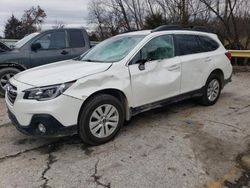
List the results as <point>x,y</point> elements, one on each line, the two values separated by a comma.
<point>55,40</point>
<point>161,47</point>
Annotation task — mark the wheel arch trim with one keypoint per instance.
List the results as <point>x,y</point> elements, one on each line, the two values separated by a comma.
<point>13,65</point>
<point>120,95</point>
<point>219,72</point>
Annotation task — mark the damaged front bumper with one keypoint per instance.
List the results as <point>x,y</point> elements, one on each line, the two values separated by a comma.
<point>51,126</point>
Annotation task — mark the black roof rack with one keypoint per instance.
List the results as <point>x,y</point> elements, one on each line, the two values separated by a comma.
<point>178,27</point>
<point>200,28</point>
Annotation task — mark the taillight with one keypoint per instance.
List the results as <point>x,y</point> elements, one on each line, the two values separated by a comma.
<point>229,55</point>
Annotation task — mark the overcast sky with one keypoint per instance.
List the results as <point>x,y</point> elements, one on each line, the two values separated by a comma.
<point>73,13</point>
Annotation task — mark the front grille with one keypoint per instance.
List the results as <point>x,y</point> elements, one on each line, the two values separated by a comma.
<point>11,93</point>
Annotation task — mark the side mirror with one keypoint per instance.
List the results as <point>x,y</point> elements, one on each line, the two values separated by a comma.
<point>141,63</point>
<point>36,46</point>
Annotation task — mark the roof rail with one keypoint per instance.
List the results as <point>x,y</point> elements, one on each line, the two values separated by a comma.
<point>201,29</point>
<point>167,27</point>
<point>178,27</point>
<point>128,31</point>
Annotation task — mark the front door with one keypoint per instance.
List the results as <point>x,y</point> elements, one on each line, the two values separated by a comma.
<point>159,77</point>
<point>53,48</point>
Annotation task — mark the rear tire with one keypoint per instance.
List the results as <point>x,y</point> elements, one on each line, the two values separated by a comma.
<point>212,90</point>
<point>5,75</point>
<point>100,119</point>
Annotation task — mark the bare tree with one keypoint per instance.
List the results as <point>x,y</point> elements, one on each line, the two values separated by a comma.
<point>33,18</point>
<point>108,18</point>
<point>30,22</point>
<point>119,5</point>
<point>137,10</point>
<point>228,18</point>
<point>96,12</point>
<point>225,12</point>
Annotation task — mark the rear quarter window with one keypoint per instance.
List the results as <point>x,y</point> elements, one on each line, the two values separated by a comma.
<point>207,44</point>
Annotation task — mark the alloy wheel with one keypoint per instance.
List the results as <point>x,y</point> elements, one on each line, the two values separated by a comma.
<point>213,90</point>
<point>104,121</point>
<point>4,79</point>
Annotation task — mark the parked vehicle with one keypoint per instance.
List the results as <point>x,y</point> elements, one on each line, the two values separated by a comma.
<point>117,79</point>
<point>4,47</point>
<point>41,48</point>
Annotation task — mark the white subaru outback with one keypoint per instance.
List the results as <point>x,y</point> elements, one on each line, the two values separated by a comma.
<point>122,76</point>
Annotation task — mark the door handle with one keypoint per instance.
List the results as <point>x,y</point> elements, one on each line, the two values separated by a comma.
<point>208,59</point>
<point>173,67</point>
<point>64,52</point>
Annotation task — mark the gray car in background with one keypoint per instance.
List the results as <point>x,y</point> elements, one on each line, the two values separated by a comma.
<point>4,47</point>
<point>41,48</point>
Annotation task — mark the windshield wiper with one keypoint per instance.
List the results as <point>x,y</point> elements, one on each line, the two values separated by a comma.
<point>97,61</point>
<point>88,60</point>
<point>77,58</point>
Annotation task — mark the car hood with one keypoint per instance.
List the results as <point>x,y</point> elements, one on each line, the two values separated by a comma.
<point>60,72</point>
<point>8,54</point>
<point>4,47</point>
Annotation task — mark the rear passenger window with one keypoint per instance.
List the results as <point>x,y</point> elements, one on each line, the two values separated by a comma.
<point>187,44</point>
<point>76,39</point>
<point>207,44</point>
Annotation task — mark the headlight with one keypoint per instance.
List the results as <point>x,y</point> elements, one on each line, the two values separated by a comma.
<point>47,92</point>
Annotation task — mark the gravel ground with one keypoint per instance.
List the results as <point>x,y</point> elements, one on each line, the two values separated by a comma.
<point>182,145</point>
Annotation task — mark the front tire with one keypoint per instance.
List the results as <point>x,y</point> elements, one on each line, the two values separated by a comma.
<point>5,75</point>
<point>212,90</point>
<point>100,119</point>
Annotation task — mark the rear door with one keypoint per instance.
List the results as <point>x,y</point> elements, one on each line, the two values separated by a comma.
<point>53,48</point>
<point>78,42</point>
<point>193,61</point>
<point>160,76</point>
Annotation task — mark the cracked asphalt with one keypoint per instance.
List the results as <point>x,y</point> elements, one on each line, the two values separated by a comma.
<point>183,145</point>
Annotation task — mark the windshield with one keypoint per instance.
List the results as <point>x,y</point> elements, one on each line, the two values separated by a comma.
<point>113,49</point>
<point>24,40</point>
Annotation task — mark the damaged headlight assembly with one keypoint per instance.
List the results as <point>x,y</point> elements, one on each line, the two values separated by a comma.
<point>47,92</point>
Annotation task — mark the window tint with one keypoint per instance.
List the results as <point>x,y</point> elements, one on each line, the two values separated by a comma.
<point>136,58</point>
<point>161,47</point>
<point>207,44</point>
<point>187,44</point>
<point>55,40</point>
<point>76,39</point>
